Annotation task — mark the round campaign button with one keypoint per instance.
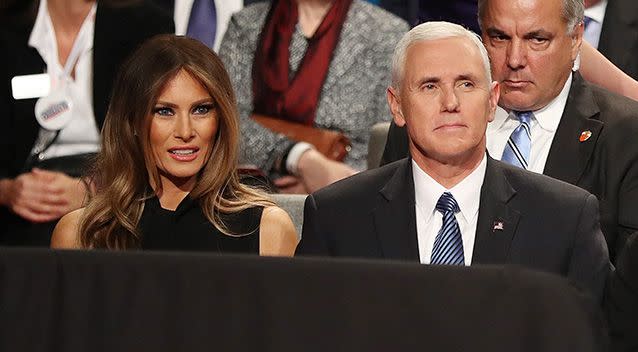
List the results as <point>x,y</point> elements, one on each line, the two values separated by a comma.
<point>53,112</point>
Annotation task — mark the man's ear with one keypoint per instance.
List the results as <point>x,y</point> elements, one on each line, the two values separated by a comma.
<point>395,106</point>
<point>495,93</point>
<point>577,40</point>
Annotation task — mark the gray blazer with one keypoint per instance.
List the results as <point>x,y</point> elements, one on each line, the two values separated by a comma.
<point>353,96</point>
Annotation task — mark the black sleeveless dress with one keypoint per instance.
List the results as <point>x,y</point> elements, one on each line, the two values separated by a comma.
<point>187,229</point>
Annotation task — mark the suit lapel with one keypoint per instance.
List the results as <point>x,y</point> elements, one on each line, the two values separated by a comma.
<point>568,155</point>
<point>497,220</point>
<point>351,43</point>
<point>394,215</point>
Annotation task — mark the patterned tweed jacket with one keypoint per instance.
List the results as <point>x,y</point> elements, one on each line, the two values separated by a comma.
<point>353,96</point>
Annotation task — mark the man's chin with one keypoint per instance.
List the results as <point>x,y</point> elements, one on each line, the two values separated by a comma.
<point>516,101</point>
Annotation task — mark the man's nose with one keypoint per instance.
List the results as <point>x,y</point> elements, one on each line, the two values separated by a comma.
<point>516,54</point>
<point>449,100</point>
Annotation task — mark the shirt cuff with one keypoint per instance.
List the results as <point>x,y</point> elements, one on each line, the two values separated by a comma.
<point>294,155</point>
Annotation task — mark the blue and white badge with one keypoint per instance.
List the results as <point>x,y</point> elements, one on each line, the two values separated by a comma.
<point>54,111</point>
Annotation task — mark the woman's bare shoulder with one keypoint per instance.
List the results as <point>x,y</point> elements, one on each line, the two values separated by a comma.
<point>277,234</point>
<point>66,232</point>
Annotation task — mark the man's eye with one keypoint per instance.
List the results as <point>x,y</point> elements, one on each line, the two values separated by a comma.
<point>467,84</point>
<point>429,86</point>
<point>499,37</point>
<point>163,111</point>
<point>539,40</point>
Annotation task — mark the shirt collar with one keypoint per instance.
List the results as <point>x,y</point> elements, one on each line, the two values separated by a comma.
<point>42,35</point>
<point>548,117</point>
<point>597,12</point>
<point>467,192</point>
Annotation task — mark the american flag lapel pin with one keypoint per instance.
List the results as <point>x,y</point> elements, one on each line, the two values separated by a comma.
<point>498,226</point>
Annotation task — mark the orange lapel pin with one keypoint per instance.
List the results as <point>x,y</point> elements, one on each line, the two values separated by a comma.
<point>584,136</point>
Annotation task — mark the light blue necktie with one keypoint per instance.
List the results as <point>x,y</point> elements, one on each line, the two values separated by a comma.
<point>448,244</point>
<point>519,145</point>
<point>202,24</point>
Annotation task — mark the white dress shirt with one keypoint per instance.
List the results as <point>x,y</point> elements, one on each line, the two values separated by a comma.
<point>223,8</point>
<point>597,14</point>
<point>81,135</point>
<point>429,221</point>
<point>543,128</point>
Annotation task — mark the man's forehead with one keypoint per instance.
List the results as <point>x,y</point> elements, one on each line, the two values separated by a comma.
<point>534,15</point>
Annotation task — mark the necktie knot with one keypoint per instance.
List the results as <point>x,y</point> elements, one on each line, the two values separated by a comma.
<point>525,117</point>
<point>447,203</point>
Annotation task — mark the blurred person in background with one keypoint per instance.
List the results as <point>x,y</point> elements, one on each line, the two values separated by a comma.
<point>322,63</point>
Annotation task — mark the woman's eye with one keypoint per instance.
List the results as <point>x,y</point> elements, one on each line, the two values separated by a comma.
<point>163,111</point>
<point>202,109</point>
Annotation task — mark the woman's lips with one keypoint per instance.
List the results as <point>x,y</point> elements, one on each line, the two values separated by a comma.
<point>184,153</point>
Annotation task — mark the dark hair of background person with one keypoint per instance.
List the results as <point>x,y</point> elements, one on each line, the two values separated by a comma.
<point>123,174</point>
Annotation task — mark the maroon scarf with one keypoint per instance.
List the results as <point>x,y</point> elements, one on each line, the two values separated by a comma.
<point>295,100</point>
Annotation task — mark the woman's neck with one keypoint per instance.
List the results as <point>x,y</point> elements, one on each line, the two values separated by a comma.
<point>174,191</point>
<point>67,17</point>
<point>311,13</point>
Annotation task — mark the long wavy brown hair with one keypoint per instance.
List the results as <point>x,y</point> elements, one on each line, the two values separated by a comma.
<point>125,167</point>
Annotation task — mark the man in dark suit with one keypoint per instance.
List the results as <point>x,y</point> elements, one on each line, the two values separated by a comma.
<point>451,203</point>
<point>617,38</point>
<point>210,28</point>
<point>462,12</point>
<point>581,134</point>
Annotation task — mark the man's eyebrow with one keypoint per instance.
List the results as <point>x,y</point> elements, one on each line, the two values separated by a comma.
<point>428,79</point>
<point>467,77</point>
<point>538,33</point>
<point>491,31</point>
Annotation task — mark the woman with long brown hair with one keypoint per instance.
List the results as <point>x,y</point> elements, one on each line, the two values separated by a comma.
<point>166,174</point>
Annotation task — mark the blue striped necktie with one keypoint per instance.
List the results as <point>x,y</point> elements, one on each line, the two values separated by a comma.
<point>448,245</point>
<point>519,145</point>
<point>202,23</point>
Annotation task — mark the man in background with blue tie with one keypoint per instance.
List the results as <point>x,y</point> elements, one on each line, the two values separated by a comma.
<point>450,203</point>
<point>205,20</point>
<point>549,119</point>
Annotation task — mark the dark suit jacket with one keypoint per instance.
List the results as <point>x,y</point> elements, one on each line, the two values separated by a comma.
<point>619,35</point>
<point>548,225</point>
<point>462,12</point>
<point>606,164</point>
<point>118,32</point>
<point>622,300</point>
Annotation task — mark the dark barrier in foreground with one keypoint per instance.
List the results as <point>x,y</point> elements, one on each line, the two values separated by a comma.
<point>97,301</point>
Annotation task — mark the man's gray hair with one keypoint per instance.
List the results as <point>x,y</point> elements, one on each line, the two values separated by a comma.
<point>573,12</point>
<point>433,31</point>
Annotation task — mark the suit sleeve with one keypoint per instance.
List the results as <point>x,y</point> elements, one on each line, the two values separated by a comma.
<point>589,265</point>
<point>312,241</point>
<point>621,300</point>
<point>627,209</point>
